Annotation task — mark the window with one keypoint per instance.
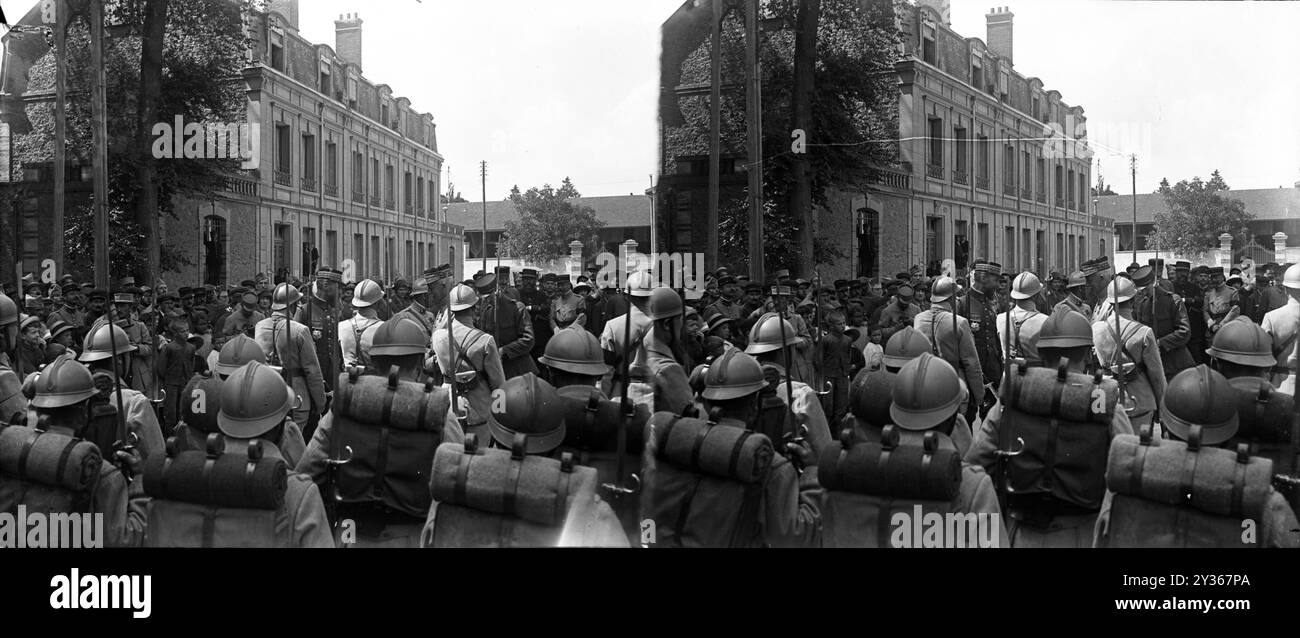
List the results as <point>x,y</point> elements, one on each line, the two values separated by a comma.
<point>1060,185</point>
<point>374,177</point>
<point>868,229</point>
<point>1069,263</point>
<point>419,195</point>
<point>277,49</point>
<point>310,253</point>
<point>1042,176</point>
<point>433,199</point>
<point>332,248</point>
<point>389,185</point>
<point>1028,175</point>
<point>309,162</point>
<point>1034,109</point>
<point>325,78</point>
<point>409,266</point>
<point>406,192</point>
<point>283,154</point>
<point>383,113</point>
<point>375,271</point>
<point>976,72</point>
<point>390,259</point>
<point>352,92</point>
<point>1041,247</point>
<point>280,252</point>
<point>214,250</point>
<point>358,175</point>
<point>936,142</point>
<point>1069,188</point>
<point>420,251</point>
<point>960,162</point>
<point>927,42</point>
<point>982,161</point>
<point>358,251</point>
<point>1009,165</point>
<point>1060,249</point>
<point>933,241</point>
<point>1026,250</point>
<point>982,242</point>
<point>331,165</point>
<point>1009,249</point>
<point>1083,192</point>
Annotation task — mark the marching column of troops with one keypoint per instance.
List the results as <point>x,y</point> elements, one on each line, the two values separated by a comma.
<point>561,410</point>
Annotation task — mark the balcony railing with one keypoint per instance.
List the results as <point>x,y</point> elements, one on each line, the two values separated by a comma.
<point>960,177</point>
<point>894,178</point>
<point>283,178</point>
<point>390,204</point>
<point>1060,202</point>
<point>309,184</point>
<point>374,200</point>
<point>1026,194</point>
<point>332,190</point>
<point>934,170</point>
<point>982,182</point>
<point>359,197</point>
<point>1009,189</point>
<point>1042,197</point>
<point>241,186</point>
<point>1070,204</point>
<point>408,209</point>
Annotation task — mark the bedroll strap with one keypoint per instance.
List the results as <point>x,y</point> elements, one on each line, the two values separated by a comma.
<point>26,451</point>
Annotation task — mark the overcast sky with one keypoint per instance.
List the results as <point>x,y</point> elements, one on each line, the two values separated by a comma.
<point>544,90</point>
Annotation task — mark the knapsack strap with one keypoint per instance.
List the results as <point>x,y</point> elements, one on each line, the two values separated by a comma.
<point>885,514</point>
<point>1238,487</point>
<point>512,480</point>
<point>26,452</point>
<point>735,451</point>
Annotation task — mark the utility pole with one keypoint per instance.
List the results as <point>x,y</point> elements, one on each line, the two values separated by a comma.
<point>60,134</point>
<point>754,126</point>
<point>1133,167</point>
<point>483,174</point>
<point>99,129</point>
<point>715,139</point>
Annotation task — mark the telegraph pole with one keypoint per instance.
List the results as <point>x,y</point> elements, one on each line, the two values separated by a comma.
<point>754,124</point>
<point>715,136</point>
<point>99,128</point>
<point>483,174</point>
<point>1133,167</point>
<point>60,134</point>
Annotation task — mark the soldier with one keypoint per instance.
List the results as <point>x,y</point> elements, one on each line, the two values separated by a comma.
<point>427,304</point>
<point>175,363</point>
<point>105,364</point>
<point>1242,349</point>
<point>242,321</point>
<point>951,339</point>
<point>141,363</point>
<point>383,521</point>
<point>1076,289</point>
<point>833,359</point>
<point>979,308</point>
<point>900,314</point>
<point>1097,272</point>
<point>508,323</point>
<point>568,304</point>
<point>1169,321</point>
<point>574,358</point>
<point>264,300</point>
<point>60,403</point>
<point>70,313</point>
<point>1220,303</point>
<point>287,345</point>
<point>905,345</point>
<point>477,365</point>
<point>1281,325</point>
<point>357,333</point>
<point>1026,319</point>
<point>766,345</point>
<point>539,310</point>
<point>1055,292</point>
<point>254,404</point>
<point>30,351</point>
<point>635,325</point>
<point>1130,349</point>
<point>320,314</point>
<point>1272,295</point>
<point>733,385</point>
<point>803,362</point>
<point>729,305</point>
<point>1042,518</point>
<point>662,368</point>
<point>401,296</point>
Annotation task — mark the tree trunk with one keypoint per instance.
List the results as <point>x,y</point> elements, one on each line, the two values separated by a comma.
<point>151,65</point>
<point>805,59</point>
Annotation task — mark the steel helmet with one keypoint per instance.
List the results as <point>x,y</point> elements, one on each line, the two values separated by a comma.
<point>576,351</point>
<point>1121,287</point>
<point>8,310</point>
<point>399,336</point>
<point>1200,396</point>
<point>1025,286</point>
<point>765,336</point>
<point>285,295</point>
<point>926,392</point>
<point>99,344</point>
<point>664,303</point>
<point>871,394</point>
<point>62,383</point>
<point>733,375</point>
<point>237,352</point>
<point>943,289</point>
<point>905,345</point>
<point>366,294</point>
<point>1242,341</point>
<point>1077,278</point>
<point>206,420</point>
<point>641,283</point>
<point>1067,329</point>
<point>463,297</point>
<point>254,399</point>
<point>1291,279</point>
<point>530,407</point>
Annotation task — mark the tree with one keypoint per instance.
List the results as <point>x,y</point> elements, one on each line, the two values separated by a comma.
<point>1102,188</point>
<point>548,221</point>
<point>1198,213</point>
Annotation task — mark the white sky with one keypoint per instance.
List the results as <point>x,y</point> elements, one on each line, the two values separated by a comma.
<point>544,90</point>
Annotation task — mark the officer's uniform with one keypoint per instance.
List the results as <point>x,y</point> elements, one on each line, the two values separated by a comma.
<point>1145,377</point>
<point>288,344</point>
<point>355,336</point>
<point>417,311</point>
<point>322,319</point>
<point>1073,303</point>
<point>237,323</point>
<point>1280,324</point>
<point>1220,308</point>
<point>573,303</point>
<point>672,392</point>
<point>1172,327</point>
<point>1194,303</point>
<point>1025,326</point>
<point>980,311</point>
<point>729,309</point>
<point>72,317</point>
<point>611,340</point>
<point>893,318</point>
<point>539,312</point>
<point>144,377</point>
<point>936,323</point>
<point>476,351</point>
<point>506,320</point>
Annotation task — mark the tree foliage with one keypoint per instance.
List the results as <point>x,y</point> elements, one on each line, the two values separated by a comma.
<point>547,222</point>
<point>1199,211</point>
<point>124,240</point>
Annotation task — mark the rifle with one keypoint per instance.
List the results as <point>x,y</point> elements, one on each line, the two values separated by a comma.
<point>795,435</point>
<point>617,490</point>
<point>1003,478</point>
<point>451,350</point>
<point>125,440</point>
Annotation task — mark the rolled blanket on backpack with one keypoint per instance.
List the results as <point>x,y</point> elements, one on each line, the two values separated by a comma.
<point>51,459</point>
<point>1040,392</point>
<point>725,451</point>
<point>903,472</point>
<point>534,488</point>
<point>870,396</point>
<point>598,430</point>
<point>186,477</point>
<point>1263,413</point>
<point>407,406</point>
<point>1165,472</point>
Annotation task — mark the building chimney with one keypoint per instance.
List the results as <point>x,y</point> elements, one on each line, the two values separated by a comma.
<point>944,9</point>
<point>288,9</point>
<point>347,38</point>
<point>999,31</point>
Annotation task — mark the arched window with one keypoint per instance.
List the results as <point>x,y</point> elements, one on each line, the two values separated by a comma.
<point>214,250</point>
<point>868,242</point>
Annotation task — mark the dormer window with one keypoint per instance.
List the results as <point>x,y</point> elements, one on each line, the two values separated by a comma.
<point>277,48</point>
<point>927,41</point>
<point>325,84</point>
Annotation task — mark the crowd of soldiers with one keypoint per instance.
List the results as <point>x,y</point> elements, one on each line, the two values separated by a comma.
<point>638,417</point>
